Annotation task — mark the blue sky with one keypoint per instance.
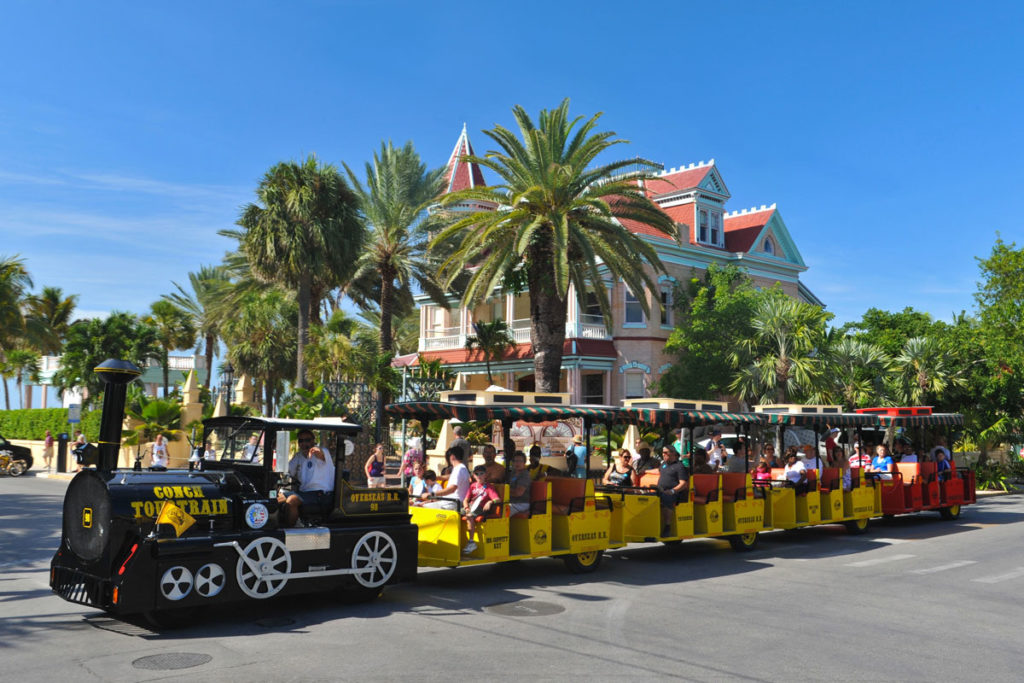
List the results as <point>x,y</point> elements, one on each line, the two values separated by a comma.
<point>887,132</point>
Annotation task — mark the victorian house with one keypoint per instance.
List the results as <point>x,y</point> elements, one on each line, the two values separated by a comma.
<point>601,366</point>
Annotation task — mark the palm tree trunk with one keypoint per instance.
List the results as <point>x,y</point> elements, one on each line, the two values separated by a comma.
<point>547,324</point>
<point>305,285</point>
<point>387,288</point>
<point>7,398</point>
<point>209,360</point>
<point>487,360</point>
<point>167,375</point>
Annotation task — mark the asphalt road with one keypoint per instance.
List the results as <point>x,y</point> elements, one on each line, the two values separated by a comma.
<point>914,599</point>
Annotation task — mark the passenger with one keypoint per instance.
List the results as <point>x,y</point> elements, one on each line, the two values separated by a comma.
<point>480,501</point>
<point>940,445</point>
<point>763,472</point>
<point>418,483</point>
<point>909,455</point>
<point>845,474</point>
<point>716,450</point>
<point>374,468</point>
<point>859,458</point>
<point>537,469</point>
<point>643,460</point>
<point>621,472</point>
<point>461,444</point>
<point>700,462</point>
<point>458,482</point>
<point>811,459</point>
<point>837,456</point>
<point>413,455</point>
<point>313,472</point>
<point>252,449</point>
<point>208,452</point>
<point>882,466</point>
<point>576,458</point>
<point>943,467</point>
<point>672,485</point>
<point>795,473</point>
<point>768,452</point>
<point>678,443</point>
<point>519,485</point>
<point>495,472</point>
<point>737,462</point>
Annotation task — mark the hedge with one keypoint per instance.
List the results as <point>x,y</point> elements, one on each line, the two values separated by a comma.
<point>32,423</point>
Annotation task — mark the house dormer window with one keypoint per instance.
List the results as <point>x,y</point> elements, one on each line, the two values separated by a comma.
<point>702,236</point>
<point>709,229</point>
<point>716,228</point>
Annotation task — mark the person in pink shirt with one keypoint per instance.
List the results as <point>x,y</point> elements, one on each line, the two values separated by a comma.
<point>480,502</point>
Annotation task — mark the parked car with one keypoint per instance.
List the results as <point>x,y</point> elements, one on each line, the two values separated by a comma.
<point>16,452</point>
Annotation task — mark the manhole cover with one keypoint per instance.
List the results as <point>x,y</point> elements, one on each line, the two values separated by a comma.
<point>169,661</point>
<point>525,608</point>
<point>274,622</point>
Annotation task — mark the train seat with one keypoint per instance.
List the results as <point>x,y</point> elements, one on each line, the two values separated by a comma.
<point>705,488</point>
<point>649,478</point>
<point>829,479</point>
<point>734,486</point>
<point>538,500</point>
<point>911,472</point>
<point>567,494</point>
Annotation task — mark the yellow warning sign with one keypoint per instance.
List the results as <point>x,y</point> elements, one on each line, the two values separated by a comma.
<point>176,517</point>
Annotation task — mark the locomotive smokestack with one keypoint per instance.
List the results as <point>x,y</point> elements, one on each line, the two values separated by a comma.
<point>116,374</point>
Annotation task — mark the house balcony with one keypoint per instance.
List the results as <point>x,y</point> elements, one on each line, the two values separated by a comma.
<point>447,338</point>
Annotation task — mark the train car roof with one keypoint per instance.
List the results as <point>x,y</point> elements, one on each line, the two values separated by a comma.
<point>821,419</point>
<point>334,424</point>
<point>468,412</point>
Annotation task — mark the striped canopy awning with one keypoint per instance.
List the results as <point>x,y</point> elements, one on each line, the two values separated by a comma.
<point>821,420</point>
<point>436,410</point>
<point>672,419</point>
<point>935,419</point>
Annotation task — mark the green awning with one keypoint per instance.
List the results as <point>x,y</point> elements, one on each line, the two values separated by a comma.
<point>821,419</point>
<point>435,410</point>
<point>935,419</point>
<point>672,419</point>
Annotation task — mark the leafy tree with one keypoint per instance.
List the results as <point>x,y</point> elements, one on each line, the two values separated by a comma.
<point>856,371</point>
<point>14,283</point>
<point>405,327</point>
<point>779,362</point>
<point>922,371</point>
<point>304,234</point>
<point>206,288</point>
<point>393,202</point>
<point>23,364</point>
<point>714,312</point>
<point>890,331</point>
<point>48,316</point>
<point>174,330</point>
<point>493,339</point>
<point>94,340</point>
<point>560,224</point>
<point>154,416</point>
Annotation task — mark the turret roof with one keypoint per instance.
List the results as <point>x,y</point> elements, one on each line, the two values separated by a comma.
<point>460,174</point>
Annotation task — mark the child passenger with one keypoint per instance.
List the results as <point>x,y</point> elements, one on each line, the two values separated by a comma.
<point>480,501</point>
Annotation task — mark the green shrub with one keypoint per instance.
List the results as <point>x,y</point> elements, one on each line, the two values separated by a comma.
<point>32,423</point>
<point>992,476</point>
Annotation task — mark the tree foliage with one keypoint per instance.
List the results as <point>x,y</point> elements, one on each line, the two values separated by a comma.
<point>493,339</point>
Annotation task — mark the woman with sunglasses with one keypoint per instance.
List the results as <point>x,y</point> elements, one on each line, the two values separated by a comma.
<point>621,472</point>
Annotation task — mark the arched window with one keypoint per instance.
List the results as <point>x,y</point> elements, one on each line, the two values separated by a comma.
<point>769,246</point>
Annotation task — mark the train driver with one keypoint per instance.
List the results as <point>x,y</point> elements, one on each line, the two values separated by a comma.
<point>313,468</point>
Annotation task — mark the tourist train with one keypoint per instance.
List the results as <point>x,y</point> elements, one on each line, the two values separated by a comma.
<point>164,542</point>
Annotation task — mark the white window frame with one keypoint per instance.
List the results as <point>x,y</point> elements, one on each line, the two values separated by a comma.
<point>717,237</point>
<point>666,311</point>
<point>626,304</point>
<point>635,376</point>
<point>702,226</point>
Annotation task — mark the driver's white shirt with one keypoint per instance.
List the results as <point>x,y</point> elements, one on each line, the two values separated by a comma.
<point>312,473</point>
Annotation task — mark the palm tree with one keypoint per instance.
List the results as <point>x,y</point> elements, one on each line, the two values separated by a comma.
<point>922,371</point>
<point>856,370</point>
<point>493,339</point>
<point>48,316</point>
<point>174,331</point>
<point>557,225</point>
<point>208,286</point>
<point>304,234</point>
<point>14,282</point>
<point>23,364</point>
<point>779,362</point>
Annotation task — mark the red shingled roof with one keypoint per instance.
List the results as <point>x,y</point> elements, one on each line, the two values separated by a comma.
<point>681,180</point>
<point>741,230</point>
<point>460,175</point>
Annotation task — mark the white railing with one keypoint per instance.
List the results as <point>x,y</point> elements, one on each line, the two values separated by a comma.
<point>175,363</point>
<point>588,327</point>
<point>521,335</point>
<point>451,341</point>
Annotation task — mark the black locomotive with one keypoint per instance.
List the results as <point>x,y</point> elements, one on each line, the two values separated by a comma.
<point>158,542</point>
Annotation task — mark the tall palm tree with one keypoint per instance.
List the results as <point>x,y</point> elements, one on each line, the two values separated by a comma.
<point>780,361</point>
<point>23,364</point>
<point>48,316</point>
<point>922,371</point>
<point>207,287</point>
<point>14,283</point>
<point>493,339</point>
<point>856,370</point>
<point>557,225</point>
<point>393,202</point>
<point>174,331</point>
<point>303,234</point>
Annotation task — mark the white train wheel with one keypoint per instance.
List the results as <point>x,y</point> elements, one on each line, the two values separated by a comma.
<point>378,554</point>
<point>261,563</point>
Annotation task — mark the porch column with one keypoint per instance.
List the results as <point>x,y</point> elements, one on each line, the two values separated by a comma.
<point>575,385</point>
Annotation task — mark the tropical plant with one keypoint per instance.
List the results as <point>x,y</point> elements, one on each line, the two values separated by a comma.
<point>992,476</point>
<point>207,287</point>
<point>856,371</point>
<point>559,225</point>
<point>306,404</point>
<point>174,330</point>
<point>153,416</point>
<point>14,282</point>
<point>304,234</point>
<point>23,364</point>
<point>922,371</point>
<point>493,339</point>
<point>94,340</point>
<point>779,362</point>
<point>48,316</point>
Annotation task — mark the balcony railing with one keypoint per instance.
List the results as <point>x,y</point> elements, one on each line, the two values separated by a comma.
<point>588,327</point>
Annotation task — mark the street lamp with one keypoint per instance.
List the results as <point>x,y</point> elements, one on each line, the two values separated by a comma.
<point>227,378</point>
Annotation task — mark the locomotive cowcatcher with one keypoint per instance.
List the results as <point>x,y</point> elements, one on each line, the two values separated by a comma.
<point>162,542</point>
